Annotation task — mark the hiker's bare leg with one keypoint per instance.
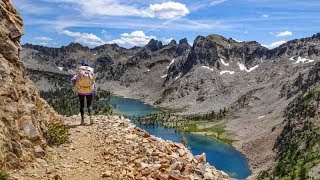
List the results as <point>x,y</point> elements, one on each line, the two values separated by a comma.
<point>89,106</point>
<point>81,99</point>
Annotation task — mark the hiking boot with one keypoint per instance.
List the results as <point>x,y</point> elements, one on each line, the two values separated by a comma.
<point>82,122</point>
<point>91,121</point>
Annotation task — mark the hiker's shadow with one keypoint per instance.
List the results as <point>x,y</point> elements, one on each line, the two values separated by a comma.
<point>74,126</point>
<point>77,125</point>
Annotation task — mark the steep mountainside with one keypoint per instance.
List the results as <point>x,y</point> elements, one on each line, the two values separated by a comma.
<point>24,115</point>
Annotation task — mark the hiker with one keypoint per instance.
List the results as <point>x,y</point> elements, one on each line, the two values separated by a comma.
<point>84,84</point>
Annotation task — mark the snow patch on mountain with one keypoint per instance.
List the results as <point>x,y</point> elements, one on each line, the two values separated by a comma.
<point>303,60</point>
<point>244,68</point>
<point>177,76</point>
<point>223,62</point>
<point>60,68</point>
<point>223,72</point>
<point>164,76</point>
<point>207,67</point>
<point>172,61</point>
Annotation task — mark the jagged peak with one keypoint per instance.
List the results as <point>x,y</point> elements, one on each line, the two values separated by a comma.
<point>37,47</point>
<point>76,46</point>
<point>154,41</point>
<point>108,46</point>
<point>172,42</point>
<point>316,36</point>
<point>154,45</point>
<point>183,41</point>
<point>214,38</point>
<point>217,38</point>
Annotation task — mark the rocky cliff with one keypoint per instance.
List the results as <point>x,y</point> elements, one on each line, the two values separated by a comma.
<point>24,115</point>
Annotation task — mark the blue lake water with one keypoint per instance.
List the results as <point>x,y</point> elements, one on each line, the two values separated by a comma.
<point>224,157</point>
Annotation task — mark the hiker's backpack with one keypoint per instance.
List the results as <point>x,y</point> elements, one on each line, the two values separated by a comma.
<point>85,79</point>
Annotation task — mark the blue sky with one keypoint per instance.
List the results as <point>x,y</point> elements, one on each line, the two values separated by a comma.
<point>130,23</point>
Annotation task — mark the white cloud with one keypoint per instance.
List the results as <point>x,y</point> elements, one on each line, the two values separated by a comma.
<point>166,10</point>
<point>43,38</point>
<point>135,38</point>
<point>216,2</point>
<point>88,39</point>
<point>265,15</point>
<point>284,33</point>
<point>274,44</point>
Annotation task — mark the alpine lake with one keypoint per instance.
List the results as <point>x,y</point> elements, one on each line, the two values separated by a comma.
<point>222,156</point>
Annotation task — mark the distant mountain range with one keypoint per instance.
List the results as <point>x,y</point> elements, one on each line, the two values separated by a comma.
<point>214,69</point>
<point>256,84</point>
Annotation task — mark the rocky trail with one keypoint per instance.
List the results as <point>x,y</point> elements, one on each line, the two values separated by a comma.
<point>114,148</point>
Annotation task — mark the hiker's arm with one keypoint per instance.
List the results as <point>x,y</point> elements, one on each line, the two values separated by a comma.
<point>74,80</point>
<point>94,88</point>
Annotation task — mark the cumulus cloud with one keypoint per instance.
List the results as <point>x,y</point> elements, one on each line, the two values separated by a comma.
<point>43,38</point>
<point>274,44</point>
<point>88,39</point>
<point>284,33</point>
<point>135,38</point>
<point>166,10</point>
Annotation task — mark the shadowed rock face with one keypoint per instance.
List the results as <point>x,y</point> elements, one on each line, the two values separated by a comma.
<point>24,115</point>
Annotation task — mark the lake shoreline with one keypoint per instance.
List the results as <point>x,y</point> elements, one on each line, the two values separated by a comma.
<point>121,96</point>
<point>239,142</point>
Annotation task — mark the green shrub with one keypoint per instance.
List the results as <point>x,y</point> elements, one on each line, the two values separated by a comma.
<point>57,134</point>
<point>4,175</point>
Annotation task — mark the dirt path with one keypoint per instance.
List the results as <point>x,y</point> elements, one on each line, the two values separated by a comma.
<point>113,148</point>
<point>81,158</point>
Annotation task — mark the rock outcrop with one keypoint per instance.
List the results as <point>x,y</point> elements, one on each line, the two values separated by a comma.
<point>24,116</point>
